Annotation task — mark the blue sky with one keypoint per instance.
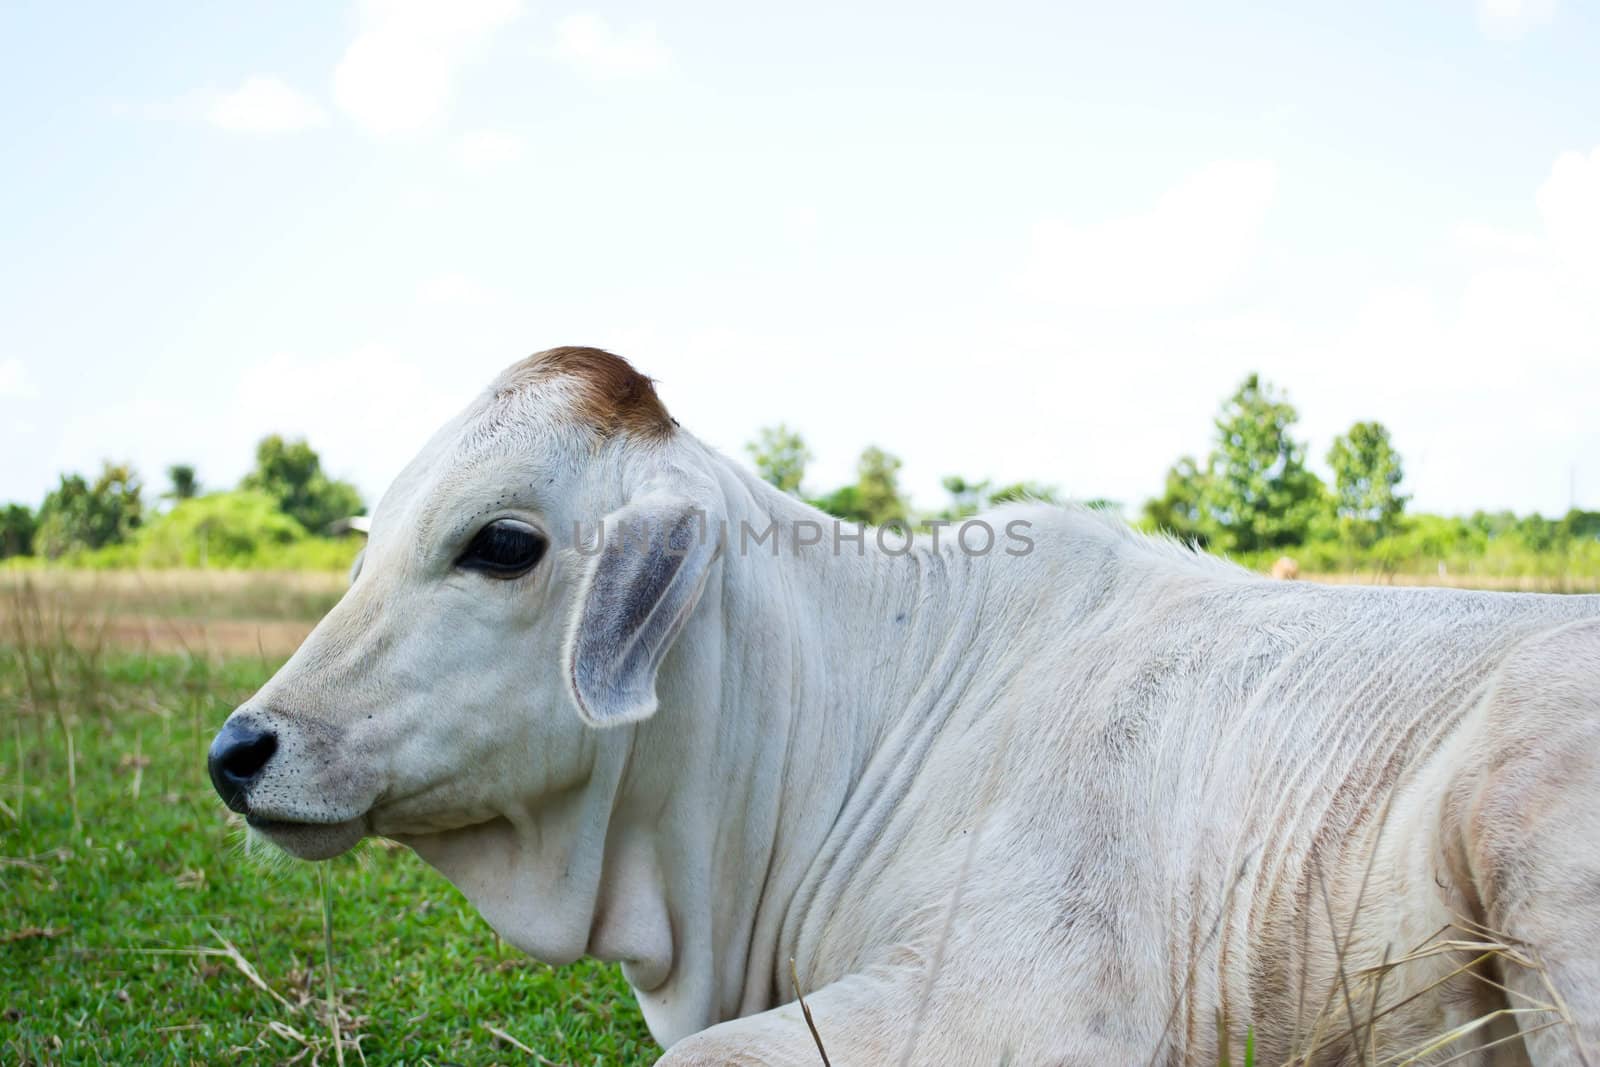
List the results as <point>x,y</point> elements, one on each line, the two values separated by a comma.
<point>1023,241</point>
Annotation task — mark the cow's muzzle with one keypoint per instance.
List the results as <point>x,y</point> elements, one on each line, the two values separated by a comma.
<point>237,757</point>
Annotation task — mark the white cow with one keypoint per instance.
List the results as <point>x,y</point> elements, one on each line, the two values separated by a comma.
<point>1063,801</point>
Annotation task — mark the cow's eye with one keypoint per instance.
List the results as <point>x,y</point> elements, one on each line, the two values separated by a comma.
<point>503,549</point>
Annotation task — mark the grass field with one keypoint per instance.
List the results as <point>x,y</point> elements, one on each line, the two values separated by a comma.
<point>136,927</point>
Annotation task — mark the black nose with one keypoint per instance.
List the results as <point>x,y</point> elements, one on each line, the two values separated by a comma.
<point>236,759</point>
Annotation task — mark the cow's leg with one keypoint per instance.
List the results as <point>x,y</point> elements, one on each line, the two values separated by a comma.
<point>860,1019</point>
<point>987,1018</point>
<point>1526,811</point>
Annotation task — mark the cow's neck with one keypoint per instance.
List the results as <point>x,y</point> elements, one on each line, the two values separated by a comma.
<point>773,707</point>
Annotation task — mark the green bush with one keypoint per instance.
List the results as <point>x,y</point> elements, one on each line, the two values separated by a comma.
<point>222,529</point>
<point>1477,546</point>
<point>233,530</point>
<point>310,554</point>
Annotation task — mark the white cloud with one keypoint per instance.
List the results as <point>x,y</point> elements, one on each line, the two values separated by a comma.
<point>1480,240</point>
<point>481,151</point>
<point>399,75</point>
<point>800,223</point>
<point>453,290</point>
<point>1569,207</point>
<point>590,45</point>
<point>1507,20</point>
<point>1532,295</point>
<point>15,384</point>
<point>1184,251</point>
<point>265,105</point>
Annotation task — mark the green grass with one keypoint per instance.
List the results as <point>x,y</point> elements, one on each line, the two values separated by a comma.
<point>130,910</point>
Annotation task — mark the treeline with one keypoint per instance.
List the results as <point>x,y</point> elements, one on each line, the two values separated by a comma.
<point>1250,496</point>
<point>280,515</point>
<point>1254,498</point>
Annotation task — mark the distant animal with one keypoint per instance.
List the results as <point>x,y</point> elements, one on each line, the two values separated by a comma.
<point>1081,797</point>
<point>1285,569</point>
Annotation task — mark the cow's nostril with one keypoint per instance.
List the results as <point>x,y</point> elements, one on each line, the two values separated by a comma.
<point>237,756</point>
<point>245,759</point>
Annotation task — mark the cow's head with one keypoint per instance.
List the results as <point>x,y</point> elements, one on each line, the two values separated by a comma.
<point>452,697</point>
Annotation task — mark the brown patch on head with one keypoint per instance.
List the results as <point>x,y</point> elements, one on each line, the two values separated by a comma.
<point>612,396</point>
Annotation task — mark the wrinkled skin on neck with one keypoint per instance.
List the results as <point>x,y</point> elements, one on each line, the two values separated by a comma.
<point>682,851</point>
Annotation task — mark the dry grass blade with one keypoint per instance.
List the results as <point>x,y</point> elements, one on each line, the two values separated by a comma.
<point>794,976</point>
<point>33,933</point>
<point>327,959</point>
<point>139,763</point>
<point>1372,1006</point>
<point>1518,1035</point>
<point>501,1035</point>
<point>1422,952</point>
<point>289,1033</point>
<point>1417,1053</point>
<point>231,951</point>
<point>1465,968</point>
<point>72,776</point>
<point>1479,946</point>
<point>1338,952</point>
<point>1563,1011</point>
<point>22,769</point>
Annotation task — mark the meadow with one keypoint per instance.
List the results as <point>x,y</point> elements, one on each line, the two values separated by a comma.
<point>136,923</point>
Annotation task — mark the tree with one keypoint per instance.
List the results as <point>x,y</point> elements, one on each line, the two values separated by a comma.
<point>780,455</point>
<point>1579,525</point>
<point>1180,509</point>
<point>878,487</point>
<point>1258,492</point>
<point>77,515</point>
<point>875,497</point>
<point>17,527</point>
<point>185,486</point>
<point>1254,493</point>
<point>291,473</point>
<point>966,498</point>
<point>1367,474</point>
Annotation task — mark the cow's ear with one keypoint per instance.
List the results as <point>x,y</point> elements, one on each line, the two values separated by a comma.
<point>650,562</point>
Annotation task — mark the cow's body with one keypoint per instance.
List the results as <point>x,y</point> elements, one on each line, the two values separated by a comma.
<point>1144,780</point>
<point>1062,806</point>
